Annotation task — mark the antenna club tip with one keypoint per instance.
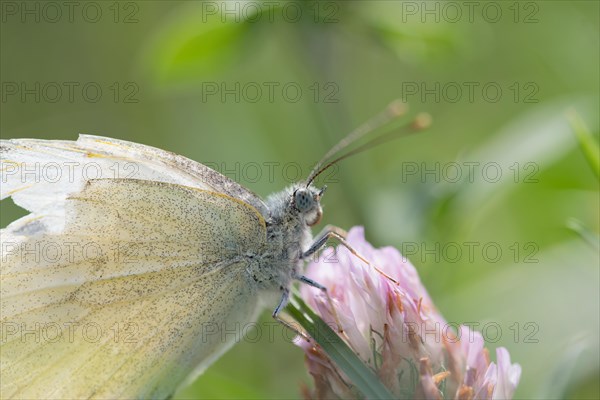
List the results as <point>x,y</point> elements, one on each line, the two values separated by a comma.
<point>397,108</point>
<point>422,121</point>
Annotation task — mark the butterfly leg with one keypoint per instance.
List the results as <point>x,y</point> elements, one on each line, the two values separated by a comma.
<point>333,232</point>
<point>323,289</point>
<point>315,247</point>
<point>328,232</point>
<point>285,297</point>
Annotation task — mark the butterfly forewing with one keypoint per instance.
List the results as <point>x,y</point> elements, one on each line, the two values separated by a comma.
<point>37,173</point>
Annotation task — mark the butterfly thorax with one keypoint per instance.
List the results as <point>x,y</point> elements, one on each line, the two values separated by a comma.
<point>288,236</point>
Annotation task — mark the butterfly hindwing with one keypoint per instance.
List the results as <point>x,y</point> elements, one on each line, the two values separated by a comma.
<point>138,281</point>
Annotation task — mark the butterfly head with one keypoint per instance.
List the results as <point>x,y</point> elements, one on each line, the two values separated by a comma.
<point>307,201</point>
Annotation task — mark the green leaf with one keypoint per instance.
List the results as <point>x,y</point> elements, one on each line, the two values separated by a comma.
<point>361,375</point>
<point>532,142</point>
<point>589,146</point>
<point>588,236</point>
<point>198,42</point>
<point>560,375</point>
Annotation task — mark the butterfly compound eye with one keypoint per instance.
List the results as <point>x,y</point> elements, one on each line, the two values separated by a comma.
<point>303,200</point>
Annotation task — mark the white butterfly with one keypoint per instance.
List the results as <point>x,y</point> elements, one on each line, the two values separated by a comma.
<point>130,256</point>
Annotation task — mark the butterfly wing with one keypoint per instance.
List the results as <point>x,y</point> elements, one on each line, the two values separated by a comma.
<point>130,295</point>
<point>37,173</point>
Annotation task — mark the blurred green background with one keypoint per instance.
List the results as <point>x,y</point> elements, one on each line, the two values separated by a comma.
<point>262,90</point>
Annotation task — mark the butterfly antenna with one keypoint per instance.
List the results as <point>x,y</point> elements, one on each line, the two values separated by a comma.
<point>394,110</point>
<point>421,121</point>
